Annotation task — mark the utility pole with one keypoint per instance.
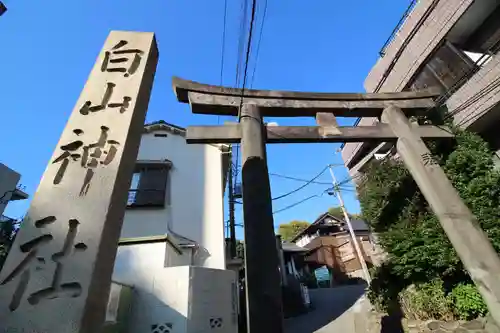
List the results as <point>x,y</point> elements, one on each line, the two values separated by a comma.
<point>232,227</point>
<point>359,253</point>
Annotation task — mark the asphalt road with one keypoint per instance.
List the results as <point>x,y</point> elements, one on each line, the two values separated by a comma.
<point>334,311</point>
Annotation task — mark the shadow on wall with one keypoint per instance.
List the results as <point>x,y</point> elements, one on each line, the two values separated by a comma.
<point>328,304</point>
<point>147,312</point>
<point>200,256</point>
<point>150,315</point>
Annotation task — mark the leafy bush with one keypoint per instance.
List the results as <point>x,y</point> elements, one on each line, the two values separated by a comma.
<point>418,250</point>
<point>7,233</point>
<point>428,301</point>
<point>468,303</point>
<point>384,288</point>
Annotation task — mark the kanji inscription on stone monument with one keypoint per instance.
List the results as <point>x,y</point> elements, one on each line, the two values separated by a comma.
<point>57,276</point>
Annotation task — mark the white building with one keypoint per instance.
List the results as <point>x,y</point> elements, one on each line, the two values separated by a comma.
<point>175,218</point>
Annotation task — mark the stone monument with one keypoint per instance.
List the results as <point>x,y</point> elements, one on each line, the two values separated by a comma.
<point>57,276</point>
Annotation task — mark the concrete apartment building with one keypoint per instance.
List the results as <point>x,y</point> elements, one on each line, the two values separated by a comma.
<point>9,189</point>
<point>451,45</point>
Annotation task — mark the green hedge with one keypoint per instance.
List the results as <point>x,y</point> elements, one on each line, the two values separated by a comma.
<point>417,247</point>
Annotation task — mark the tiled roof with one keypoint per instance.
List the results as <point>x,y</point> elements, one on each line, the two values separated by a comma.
<point>162,125</point>
<point>357,225</point>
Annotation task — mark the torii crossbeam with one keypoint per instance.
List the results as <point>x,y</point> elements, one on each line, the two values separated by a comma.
<point>264,309</point>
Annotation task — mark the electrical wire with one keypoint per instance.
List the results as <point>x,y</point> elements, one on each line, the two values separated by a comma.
<point>301,187</point>
<point>298,179</point>
<point>241,37</point>
<point>258,44</point>
<point>298,202</point>
<point>249,44</point>
<point>249,47</point>
<point>223,51</point>
<point>295,204</point>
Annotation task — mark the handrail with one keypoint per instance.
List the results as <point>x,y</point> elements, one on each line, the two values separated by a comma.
<point>397,27</point>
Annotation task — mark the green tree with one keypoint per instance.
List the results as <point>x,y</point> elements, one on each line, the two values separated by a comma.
<point>289,230</point>
<point>337,212</point>
<point>7,234</point>
<point>417,247</point>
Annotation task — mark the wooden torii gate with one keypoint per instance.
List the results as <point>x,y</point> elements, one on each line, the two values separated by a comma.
<point>264,309</point>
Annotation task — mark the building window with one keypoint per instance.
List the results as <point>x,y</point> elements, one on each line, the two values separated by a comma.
<point>446,69</point>
<point>150,185</point>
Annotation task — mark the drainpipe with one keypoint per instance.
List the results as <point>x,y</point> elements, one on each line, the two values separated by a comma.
<point>281,260</point>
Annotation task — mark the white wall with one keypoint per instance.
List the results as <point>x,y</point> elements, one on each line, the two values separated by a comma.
<point>195,210</point>
<point>306,239</point>
<point>142,267</point>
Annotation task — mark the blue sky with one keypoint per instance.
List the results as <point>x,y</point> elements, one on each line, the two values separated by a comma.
<point>48,49</point>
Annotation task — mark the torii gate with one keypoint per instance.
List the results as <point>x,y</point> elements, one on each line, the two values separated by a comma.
<point>264,309</point>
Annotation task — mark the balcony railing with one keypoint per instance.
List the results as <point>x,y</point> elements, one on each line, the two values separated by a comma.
<point>4,218</point>
<point>397,27</point>
<point>146,198</point>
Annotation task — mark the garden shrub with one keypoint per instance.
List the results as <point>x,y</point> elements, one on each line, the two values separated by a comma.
<point>418,250</point>
<point>428,301</point>
<point>468,303</point>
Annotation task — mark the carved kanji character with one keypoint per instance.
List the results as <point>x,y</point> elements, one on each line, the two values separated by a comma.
<point>87,106</point>
<point>57,287</point>
<point>102,152</point>
<point>428,159</point>
<point>118,55</point>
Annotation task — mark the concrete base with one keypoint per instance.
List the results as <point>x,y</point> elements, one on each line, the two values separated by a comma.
<point>185,299</point>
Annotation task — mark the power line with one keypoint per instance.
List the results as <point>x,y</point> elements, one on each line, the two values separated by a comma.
<point>301,187</point>
<point>297,203</point>
<point>249,46</point>
<point>237,78</point>
<point>258,43</point>
<point>241,37</point>
<point>223,42</point>
<point>298,179</point>
<point>223,52</point>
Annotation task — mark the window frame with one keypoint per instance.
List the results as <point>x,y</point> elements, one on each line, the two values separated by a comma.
<point>142,167</point>
<point>442,85</point>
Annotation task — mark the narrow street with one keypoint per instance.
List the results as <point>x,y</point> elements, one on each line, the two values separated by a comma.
<point>334,310</point>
